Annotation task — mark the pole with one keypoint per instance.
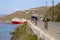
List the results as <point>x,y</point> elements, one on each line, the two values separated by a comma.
<point>52,2</point>
<point>46,3</point>
<point>46,7</point>
<point>52,10</point>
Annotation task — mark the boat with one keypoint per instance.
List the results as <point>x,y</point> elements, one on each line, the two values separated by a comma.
<point>18,21</point>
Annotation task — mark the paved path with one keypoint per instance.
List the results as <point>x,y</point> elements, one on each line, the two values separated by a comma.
<point>53,29</point>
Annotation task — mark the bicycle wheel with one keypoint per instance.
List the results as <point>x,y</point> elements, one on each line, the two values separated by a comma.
<point>46,25</point>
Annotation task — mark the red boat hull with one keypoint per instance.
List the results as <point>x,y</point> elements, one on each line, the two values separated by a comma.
<point>16,22</point>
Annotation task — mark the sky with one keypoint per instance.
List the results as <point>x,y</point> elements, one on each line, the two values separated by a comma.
<point>10,6</point>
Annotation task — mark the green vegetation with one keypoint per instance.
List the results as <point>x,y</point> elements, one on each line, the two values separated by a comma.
<point>22,33</point>
<point>40,38</point>
<point>58,18</point>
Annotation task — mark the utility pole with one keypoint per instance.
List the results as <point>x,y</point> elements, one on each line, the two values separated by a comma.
<point>52,10</point>
<point>46,8</point>
<point>52,2</point>
<point>46,3</point>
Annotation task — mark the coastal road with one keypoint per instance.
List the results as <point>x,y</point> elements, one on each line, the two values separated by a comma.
<point>53,28</point>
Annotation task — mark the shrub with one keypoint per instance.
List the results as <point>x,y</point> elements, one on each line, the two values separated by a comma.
<point>58,18</point>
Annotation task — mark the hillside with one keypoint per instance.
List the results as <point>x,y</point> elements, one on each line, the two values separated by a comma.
<point>26,13</point>
<point>54,13</point>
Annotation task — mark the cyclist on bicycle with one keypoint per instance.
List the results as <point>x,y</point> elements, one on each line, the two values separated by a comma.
<point>45,20</point>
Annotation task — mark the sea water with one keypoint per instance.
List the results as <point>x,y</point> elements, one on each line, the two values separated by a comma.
<point>5,30</point>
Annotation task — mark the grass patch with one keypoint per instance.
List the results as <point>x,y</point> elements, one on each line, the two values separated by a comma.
<point>22,34</point>
<point>40,38</point>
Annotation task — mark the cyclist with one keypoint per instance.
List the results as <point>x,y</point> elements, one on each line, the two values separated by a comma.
<point>45,20</point>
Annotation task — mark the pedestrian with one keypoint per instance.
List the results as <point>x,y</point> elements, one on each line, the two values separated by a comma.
<point>32,18</point>
<point>36,20</point>
<point>45,20</point>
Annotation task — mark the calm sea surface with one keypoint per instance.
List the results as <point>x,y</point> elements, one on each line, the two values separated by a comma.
<point>5,30</point>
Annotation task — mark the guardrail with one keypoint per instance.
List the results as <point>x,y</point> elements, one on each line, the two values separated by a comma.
<point>40,33</point>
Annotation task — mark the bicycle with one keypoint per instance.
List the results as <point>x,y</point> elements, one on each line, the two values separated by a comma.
<point>46,25</point>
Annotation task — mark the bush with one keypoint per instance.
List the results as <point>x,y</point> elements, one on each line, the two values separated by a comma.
<point>58,18</point>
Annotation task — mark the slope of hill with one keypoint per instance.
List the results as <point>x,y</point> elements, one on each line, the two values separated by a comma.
<point>58,15</point>
<point>26,13</point>
<point>54,12</point>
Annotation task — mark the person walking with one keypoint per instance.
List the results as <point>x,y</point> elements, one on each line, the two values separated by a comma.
<point>34,18</point>
<point>45,20</point>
